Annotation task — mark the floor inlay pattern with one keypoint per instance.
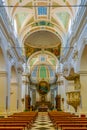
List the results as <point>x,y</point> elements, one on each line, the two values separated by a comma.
<point>43,122</point>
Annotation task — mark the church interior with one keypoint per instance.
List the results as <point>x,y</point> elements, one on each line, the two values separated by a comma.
<point>43,64</point>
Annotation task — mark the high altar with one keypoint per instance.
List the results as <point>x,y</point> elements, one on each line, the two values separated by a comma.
<point>43,106</point>
<point>43,88</point>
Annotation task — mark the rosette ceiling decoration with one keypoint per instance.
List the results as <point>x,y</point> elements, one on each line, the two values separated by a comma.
<point>42,25</point>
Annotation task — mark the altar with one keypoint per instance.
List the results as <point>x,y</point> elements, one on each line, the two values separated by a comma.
<point>43,106</point>
<point>43,109</point>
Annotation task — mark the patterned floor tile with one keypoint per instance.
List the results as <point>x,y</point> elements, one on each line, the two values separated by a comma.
<point>42,122</point>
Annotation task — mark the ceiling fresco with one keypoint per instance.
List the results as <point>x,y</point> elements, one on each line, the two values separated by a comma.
<point>43,39</point>
<point>42,26</point>
<point>43,67</point>
<point>30,50</point>
<point>39,10</point>
<point>43,72</point>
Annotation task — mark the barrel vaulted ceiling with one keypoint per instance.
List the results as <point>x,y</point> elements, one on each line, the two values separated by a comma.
<point>42,25</point>
<point>38,13</point>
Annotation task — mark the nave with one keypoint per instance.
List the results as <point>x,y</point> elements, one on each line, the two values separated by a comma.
<point>43,64</point>
<point>43,122</point>
<point>51,120</point>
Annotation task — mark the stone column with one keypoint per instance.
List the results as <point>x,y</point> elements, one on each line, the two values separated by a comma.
<point>33,97</point>
<point>3,92</point>
<point>52,96</point>
<point>13,97</point>
<point>19,91</point>
<point>37,96</point>
<point>24,91</point>
<point>83,80</point>
<point>58,96</point>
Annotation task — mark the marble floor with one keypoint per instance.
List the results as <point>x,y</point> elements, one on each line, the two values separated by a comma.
<point>43,122</point>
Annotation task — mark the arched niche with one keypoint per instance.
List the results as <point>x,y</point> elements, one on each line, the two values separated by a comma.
<point>13,90</point>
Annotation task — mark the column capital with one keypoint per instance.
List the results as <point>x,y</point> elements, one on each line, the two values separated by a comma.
<point>20,68</point>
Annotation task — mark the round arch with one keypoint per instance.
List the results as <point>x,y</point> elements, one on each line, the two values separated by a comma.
<point>45,52</point>
<point>36,29</point>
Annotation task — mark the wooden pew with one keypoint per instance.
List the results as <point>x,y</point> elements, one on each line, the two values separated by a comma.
<point>60,126</point>
<point>11,128</point>
<point>62,120</point>
<point>70,122</point>
<point>23,121</point>
<point>74,128</point>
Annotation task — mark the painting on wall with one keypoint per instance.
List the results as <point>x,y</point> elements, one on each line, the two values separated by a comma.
<point>30,50</point>
<point>55,51</point>
<point>43,88</point>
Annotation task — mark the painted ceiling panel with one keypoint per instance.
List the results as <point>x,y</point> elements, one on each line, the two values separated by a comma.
<point>34,72</point>
<point>33,61</point>
<point>30,21</point>
<point>21,18</point>
<point>43,39</point>
<point>42,28</point>
<point>43,72</point>
<point>52,61</point>
<point>29,5</point>
<point>64,18</point>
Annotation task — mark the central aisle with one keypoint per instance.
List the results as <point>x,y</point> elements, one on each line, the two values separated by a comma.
<point>43,122</point>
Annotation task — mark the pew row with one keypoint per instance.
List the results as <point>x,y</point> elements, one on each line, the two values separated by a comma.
<point>18,121</point>
<point>64,119</point>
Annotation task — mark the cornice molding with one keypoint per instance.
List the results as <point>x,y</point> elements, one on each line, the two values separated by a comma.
<point>3,73</point>
<point>83,72</point>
